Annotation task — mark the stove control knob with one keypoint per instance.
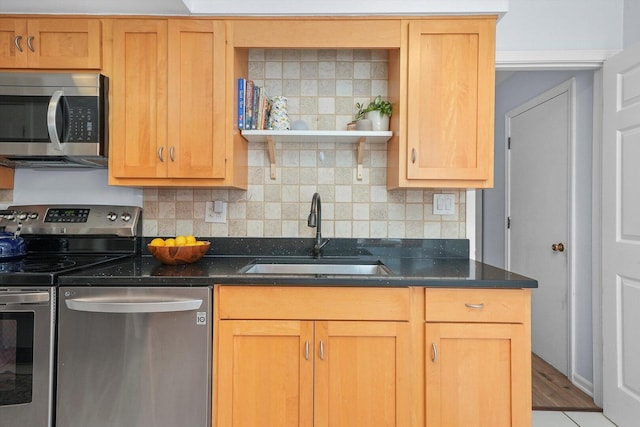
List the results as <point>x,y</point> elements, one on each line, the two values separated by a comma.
<point>126,217</point>
<point>33,215</point>
<point>22,216</point>
<point>112,216</point>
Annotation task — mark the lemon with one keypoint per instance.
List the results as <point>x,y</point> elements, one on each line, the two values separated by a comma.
<point>170,242</point>
<point>191,240</point>
<point>200,243</point>
<point>157,242</point>
<point>181,240</point>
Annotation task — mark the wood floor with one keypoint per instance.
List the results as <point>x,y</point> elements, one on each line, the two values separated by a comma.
<point>552,391</point>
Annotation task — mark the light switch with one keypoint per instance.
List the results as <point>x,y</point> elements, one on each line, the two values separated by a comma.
<point>444,204</point>
<point>215,212</point>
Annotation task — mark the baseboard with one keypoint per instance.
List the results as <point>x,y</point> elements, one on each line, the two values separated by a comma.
<point>582,383</point>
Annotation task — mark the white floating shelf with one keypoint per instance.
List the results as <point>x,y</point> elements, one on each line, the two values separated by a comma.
<point>337,136</point>
<point>288,136</point>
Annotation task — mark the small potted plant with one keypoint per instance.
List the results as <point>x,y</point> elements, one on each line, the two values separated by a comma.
<point>378,111</point>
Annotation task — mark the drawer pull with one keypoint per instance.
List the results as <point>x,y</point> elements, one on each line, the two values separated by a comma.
<point>477,306</point>
<point>306,350</point>
<point>434,352</point>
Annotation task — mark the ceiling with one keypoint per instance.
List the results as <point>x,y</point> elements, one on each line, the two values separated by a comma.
<point>254,7</point>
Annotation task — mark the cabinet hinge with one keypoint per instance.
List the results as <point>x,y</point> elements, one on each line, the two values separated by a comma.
<point>508,222</point>
<point>509,143</point>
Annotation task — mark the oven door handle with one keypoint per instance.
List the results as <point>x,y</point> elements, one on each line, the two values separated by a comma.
<point>23,297</point>
<point>124,305</point>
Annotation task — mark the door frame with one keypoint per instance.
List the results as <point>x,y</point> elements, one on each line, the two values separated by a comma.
<point>572,60</point>
<point>568,87</point>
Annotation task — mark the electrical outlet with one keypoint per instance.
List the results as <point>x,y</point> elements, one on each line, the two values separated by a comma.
<point>444,204</point>
<point>215,212</point>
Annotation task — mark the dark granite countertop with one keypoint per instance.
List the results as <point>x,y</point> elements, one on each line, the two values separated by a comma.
<point>413,262</point>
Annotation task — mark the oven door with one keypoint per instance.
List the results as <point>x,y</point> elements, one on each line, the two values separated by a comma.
<point>26,357</point>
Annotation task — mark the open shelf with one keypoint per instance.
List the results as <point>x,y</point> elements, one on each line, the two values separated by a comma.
<point>270,137</point>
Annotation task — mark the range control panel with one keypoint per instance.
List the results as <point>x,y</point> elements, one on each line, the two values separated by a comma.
<point>73,219</point>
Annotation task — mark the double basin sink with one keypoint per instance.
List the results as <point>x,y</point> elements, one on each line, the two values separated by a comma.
<point>317,266</point>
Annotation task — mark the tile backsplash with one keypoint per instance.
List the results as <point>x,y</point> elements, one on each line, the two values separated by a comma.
<point>322,88</point>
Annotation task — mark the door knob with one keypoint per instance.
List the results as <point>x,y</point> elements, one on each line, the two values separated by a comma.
<point>557,247</point>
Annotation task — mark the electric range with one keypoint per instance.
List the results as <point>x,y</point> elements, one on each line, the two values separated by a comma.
<point>67,238</point>
<point>59,239</point>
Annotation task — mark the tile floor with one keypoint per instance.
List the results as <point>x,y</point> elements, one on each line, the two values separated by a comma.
<point>570,419</point>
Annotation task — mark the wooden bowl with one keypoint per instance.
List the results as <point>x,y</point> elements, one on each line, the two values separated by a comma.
<point>176,255</point>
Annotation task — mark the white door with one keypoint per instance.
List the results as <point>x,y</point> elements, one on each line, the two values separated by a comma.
<point>538,211</point>
<point>621,238</point>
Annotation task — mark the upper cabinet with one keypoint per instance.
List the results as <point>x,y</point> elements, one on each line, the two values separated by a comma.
<point>168,119</point>
<point>445,93</point>
<point>440,82</point>
<point>50,43</point>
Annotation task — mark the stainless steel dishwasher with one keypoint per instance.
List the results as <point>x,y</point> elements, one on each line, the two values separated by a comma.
<point>134,356</point>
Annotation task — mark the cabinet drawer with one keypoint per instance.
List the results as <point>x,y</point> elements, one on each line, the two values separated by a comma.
<point>477,305</point>
<point>321,303</point>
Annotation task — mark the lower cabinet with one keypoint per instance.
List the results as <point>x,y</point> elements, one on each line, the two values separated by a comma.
<point>345,357</point>
<point>478,369</point>
<point>321,373</point>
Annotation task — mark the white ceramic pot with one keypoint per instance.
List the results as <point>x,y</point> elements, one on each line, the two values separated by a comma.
<point>379,121</point>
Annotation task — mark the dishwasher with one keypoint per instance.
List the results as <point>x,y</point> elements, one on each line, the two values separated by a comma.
<point>134,357</point>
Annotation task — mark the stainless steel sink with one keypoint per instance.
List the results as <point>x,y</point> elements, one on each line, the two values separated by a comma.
<point>315,267</point>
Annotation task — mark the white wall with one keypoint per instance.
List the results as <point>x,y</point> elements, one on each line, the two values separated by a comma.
<point>86,186</point>
<point>561,25</point>
<point>631,22</point>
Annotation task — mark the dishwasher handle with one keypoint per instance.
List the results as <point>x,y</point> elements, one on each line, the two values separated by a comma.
<point>127,305</point>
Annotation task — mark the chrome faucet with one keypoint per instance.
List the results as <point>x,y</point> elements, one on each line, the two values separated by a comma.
<point>315,221</point>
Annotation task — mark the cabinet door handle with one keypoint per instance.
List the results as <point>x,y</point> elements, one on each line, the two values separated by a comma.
<point>29,45</point>
<point>172,152</point>
<point>306,350</point>
<point>321,350</point>
<point>16,41</point>
<point>160,154</point>
<point>478,306</point>
<point>434,352</point>
<point>414,155</point>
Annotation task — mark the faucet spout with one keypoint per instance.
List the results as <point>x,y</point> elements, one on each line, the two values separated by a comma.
<point>315,221</point>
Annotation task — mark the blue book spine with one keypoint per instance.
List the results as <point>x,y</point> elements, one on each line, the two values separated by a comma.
<point>242,83</point>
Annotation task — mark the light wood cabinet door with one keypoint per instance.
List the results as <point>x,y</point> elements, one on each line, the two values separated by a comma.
<point>197,99</point>
<point>265,373</point>
<point>446,135</point>
<point>362,374</point>
<point>138,142</point>
<point>50,43</point>
<point>477,374</point>
<point>168,103</point>
<point>304,373</point>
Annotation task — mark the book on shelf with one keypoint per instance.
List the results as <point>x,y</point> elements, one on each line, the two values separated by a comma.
<point>253,106</point>
<point>242,83</point>
<point>262,109</point>
<point>248,104</point>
